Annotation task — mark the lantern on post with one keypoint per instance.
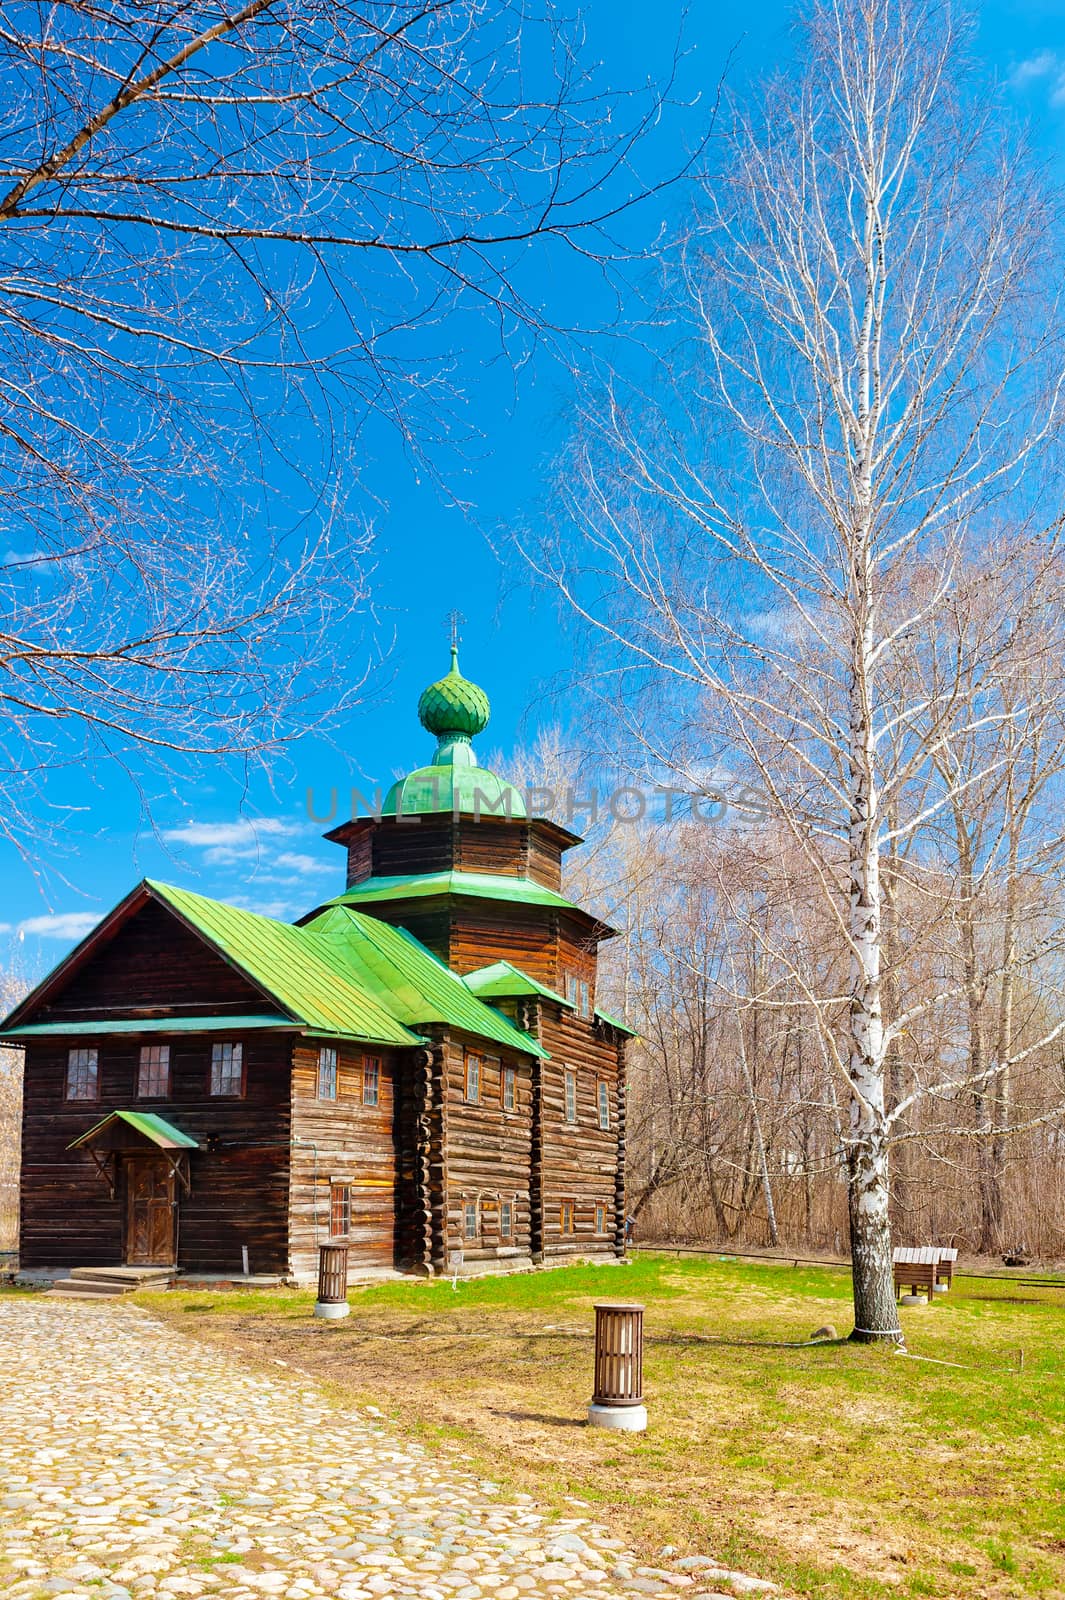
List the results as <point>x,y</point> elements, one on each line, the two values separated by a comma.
<point>332,1302</point>
<point>618,1398</point>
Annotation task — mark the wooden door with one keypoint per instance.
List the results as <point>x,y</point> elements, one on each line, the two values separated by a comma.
<point>151,1211</point>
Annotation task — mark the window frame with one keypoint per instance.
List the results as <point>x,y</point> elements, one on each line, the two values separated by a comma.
<point>371,1076</point>
<point>508,1088</point>
<point>601,1212</point>
<point>82,1099</point>
<point>602,1105</point>
<point>474,1065</point>
<point>507,1206</point>
<point>145,1055</point>
<point>469,1206</point>
<point>343,1191</point>
<point>570,1099</point>
<point>585,1000</point>
<point>324,1052</point>
<point>570,1207</point>
<point>236,1049</point>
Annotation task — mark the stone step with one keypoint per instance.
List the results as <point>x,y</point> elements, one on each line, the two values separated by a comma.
<point>67,1289</point>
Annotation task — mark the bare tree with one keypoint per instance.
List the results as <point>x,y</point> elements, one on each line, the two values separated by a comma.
<point>873,284</point>
<point>236,247</point>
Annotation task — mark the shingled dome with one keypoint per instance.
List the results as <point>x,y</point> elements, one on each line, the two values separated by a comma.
<point>453,705</point>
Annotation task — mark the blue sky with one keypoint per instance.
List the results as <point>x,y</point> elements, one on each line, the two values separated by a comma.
<point>255,845</point>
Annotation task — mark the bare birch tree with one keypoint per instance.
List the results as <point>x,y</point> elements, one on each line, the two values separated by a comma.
<point>238,246</point>
<point>873,283</point>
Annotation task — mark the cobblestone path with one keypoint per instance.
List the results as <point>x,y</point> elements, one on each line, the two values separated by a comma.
<point>136,1463</point>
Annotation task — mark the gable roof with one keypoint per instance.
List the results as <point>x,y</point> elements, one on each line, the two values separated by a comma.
<point>154,1128</point>
<point>305,975</point>
<point>407,977</point>
<point>503,979</point>
<point>342,974</point>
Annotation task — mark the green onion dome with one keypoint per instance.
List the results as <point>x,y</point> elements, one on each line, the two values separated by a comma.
<point>454,710</point>
<point>453,706</point>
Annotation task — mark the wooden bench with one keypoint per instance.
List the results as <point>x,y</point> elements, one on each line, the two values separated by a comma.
<point>915,1269</point>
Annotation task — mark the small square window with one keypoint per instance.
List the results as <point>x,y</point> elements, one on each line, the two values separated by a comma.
<point>566,1217</point>
<point>571,1095</point>
<point>506,1219</point>
<point>227,1069</point>
<point>600,1219</point>
<point>153,1076</point>
<point>339,1210</point>
<point>327,1073</point>
<point>470,1229</point>
<point>604,1103</point>
<point>83,1075</point>
<point>473,1080</point>
<point>510,1088</point>
<point>371,1080</point>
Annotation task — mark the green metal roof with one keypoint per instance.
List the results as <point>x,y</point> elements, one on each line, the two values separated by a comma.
<point>613,1022</point>
<point>305,975</point>
<point>503,979</point>
<point>245,1024</point>
<point>481,885</point>
<point>152,1126</point>
<point>416,986</point>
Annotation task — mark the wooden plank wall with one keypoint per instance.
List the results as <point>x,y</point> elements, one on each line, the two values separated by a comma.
<point>239,1176</point>
<point>347,1142</point>
<point>153,960</point>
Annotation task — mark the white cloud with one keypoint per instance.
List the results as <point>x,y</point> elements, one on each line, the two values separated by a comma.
<point>224,843</point>
<point>294,862</point>
<point>60,925</point>
<point>1046,66</point>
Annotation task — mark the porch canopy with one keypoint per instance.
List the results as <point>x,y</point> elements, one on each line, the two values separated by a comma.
<point>129,1130</point>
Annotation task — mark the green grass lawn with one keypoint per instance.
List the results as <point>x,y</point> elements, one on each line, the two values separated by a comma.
<point>838,1470</point>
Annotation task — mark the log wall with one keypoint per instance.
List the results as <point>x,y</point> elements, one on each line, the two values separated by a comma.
<point>489,1153</point>
<point>579,1161</point>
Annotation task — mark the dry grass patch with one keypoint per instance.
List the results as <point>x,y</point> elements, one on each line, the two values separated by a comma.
<point>837,1470</point>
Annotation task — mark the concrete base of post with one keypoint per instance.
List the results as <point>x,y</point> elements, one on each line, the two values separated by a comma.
<point>626,1419</point>
<point>941,1288</point>
<point>332,1310</point>
<point>914,1300</point>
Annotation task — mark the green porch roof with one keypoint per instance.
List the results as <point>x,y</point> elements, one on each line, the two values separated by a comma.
<point>416,986</point>
<point>306,975</point>
<point>152,1126</point>
<point>243,1024</point>
<point>503,980</point>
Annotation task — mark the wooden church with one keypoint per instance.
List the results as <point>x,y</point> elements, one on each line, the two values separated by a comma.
<point>418,1065</point>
